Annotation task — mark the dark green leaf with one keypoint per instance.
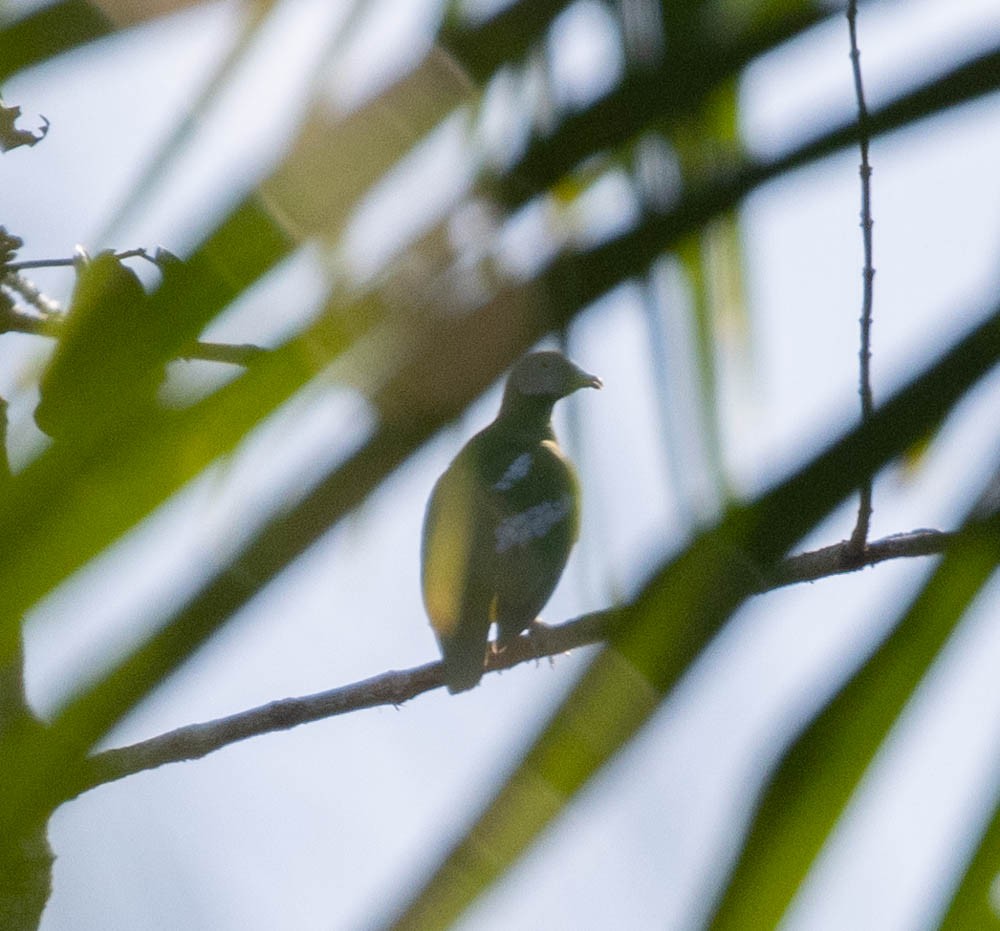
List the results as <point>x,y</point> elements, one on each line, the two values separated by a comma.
<point>105,481</point>
<point>636,106</point>
<point>503,38</point>
<point>974,904</point>
<point>46,32</point>
<point>105,369</point>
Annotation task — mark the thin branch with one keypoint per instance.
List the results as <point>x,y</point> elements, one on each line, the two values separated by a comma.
<point>860,535</point>
<point>844,557</point>
<point>398,686</point>
<point>69,263</point>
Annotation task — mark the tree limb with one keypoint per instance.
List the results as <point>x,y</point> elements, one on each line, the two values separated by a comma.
<point>25,860</point>
<point>845,557</point>
<point>398,686</point>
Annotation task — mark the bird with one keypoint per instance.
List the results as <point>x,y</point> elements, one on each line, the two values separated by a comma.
<point>501,521</point>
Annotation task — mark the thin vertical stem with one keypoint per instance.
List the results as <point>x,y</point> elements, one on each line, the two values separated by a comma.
<point>859,538</point>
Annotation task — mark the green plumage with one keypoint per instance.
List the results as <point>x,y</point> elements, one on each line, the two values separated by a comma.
<point>501,521</point>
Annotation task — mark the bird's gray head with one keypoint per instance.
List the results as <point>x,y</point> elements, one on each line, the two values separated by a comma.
<point>548,375</point>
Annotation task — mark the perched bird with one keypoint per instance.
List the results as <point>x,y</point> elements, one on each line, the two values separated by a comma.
<point>502,520</point>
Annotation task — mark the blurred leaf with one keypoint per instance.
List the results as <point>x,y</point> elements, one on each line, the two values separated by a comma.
<point>712,261</point>
<point>691,253</point>
<point>337,157</point>
<point>125,13</point>
<point>99,496</point>
<point>678,612</point>
<point>249,244</point>
<point>592,273</point>
<point>244,247</point>
<point>419,365</point>
<point>676,89</point>
<point>974,904</point>
<point>105,368</point>
<point>913,457</point>
<point>819,773</point>
<point>483,47</point>
<point>668,358</point>
<point>645,99</point>
<point>47,32</point>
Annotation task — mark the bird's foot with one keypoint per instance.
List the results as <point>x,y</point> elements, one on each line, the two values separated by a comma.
<point>535,641</point>
<point>539,637</point>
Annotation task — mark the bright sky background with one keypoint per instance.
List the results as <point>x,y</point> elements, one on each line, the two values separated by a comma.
<point>324,826</point>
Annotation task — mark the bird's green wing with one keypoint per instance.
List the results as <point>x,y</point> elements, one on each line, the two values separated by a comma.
<point>456,570</point>
<point>532,540</point>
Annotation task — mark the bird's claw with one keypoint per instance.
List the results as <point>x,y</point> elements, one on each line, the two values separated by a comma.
<point>538,637</point>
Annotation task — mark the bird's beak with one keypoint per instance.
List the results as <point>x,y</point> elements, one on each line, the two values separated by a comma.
<point>590,381</point>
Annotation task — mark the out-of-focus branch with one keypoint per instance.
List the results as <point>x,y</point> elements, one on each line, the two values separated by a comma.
<point>25,860</point>
<point>15,321</point>
<point>398,686</point>
<point>13,705</point>
<point>49,322</point>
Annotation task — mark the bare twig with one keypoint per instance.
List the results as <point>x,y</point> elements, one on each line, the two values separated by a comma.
<point>845,557</point>
<point>69,263</point>
<point>859,537</point>
<point>396,687</point>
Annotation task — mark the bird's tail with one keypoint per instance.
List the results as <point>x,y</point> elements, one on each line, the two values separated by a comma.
<point>464,660</point>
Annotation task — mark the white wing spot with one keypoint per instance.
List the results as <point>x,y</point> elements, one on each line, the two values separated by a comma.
<point>531,524</point>
<point>517,470</point>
